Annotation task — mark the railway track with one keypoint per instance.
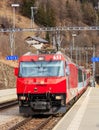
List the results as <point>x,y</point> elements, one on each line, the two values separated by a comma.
<point>40,123</point>
<point>36,122</point>
<point>8,104</point>
<point>31,123</point>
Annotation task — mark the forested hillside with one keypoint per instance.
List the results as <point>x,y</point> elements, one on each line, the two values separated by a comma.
<point>60,12</point>
<point>50,13</point>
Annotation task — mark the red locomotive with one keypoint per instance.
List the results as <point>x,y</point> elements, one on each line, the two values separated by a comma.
<point>47,82</point>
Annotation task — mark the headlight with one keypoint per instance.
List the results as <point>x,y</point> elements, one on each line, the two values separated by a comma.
<point>22,98</point>
<point>58,97</point>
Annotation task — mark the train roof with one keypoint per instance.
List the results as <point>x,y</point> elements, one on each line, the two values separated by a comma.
<point>48,56</point>
<point>30,55</point>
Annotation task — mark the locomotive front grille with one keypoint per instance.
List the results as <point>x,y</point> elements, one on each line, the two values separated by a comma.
<point>43,101</point>
<point>40,105</point>
<point>38,97</point>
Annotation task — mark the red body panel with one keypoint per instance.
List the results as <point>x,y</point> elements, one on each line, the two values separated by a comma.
<point>41,85</point>
<point>73,77</point>
<point>46,57</point>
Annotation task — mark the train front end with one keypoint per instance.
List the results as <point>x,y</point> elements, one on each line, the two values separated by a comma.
<point>41,84</point>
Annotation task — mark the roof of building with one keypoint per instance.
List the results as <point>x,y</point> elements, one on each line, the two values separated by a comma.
<point>36,39</point>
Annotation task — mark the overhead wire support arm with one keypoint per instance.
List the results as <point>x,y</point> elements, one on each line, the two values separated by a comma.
<point>44,29</point>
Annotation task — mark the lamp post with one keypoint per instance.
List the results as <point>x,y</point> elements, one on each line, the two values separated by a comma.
<point>86,59</point>
<point>73,35</point>
<point>77,55</point>
<point>14,6</point>
<point>32,16</point>
<point>93,66</point>
<point>72,46</point>
<point>12,37</point>
<point>86,55</point>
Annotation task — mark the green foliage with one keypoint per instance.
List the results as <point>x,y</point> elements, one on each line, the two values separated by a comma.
<point>41,16</point>
<point>47,36</point>
<point>76,10</point>
<point>26,7</point>
<point>45,16</point>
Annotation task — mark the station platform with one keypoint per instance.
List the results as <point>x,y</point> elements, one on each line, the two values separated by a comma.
<point>7,95</point>
<point>84,115</point>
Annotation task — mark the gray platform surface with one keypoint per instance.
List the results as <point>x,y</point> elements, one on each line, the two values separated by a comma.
<point>84,115</point>
<point>7,95</point>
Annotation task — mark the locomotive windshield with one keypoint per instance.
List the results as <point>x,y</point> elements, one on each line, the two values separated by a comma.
<point>41,69</point>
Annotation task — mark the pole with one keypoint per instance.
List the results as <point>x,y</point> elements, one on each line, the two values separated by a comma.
<point>93,67</point>
<point>13,17</point>
<point>58,39</point>
<point>12,36</point>
<point>71,51</point>
<point>12,42</point>
<point>14,6</point>
<point>80,56</point>
<point>32,16</point>
<point>73,42</point>
<point>86,59</point>
<point>73,35</point>
<point>76,54</point>
<point>54,42</point>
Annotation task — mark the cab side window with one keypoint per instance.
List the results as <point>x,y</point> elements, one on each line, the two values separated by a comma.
<point>80,78</point>
<point>67,70</point>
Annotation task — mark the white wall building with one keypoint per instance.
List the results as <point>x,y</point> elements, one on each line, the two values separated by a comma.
<point>36,42</point>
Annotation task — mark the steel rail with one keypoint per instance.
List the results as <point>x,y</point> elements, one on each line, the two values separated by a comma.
<point>42,124</point>
<point>20,123</point>
<point>7,104</point>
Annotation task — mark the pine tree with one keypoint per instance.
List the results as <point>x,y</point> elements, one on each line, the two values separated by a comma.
<point>45,16</point>
<point>26,7</point>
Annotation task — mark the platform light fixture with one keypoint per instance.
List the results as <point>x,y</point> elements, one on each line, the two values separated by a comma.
<point>73,36</point>
<point>14,6</point>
